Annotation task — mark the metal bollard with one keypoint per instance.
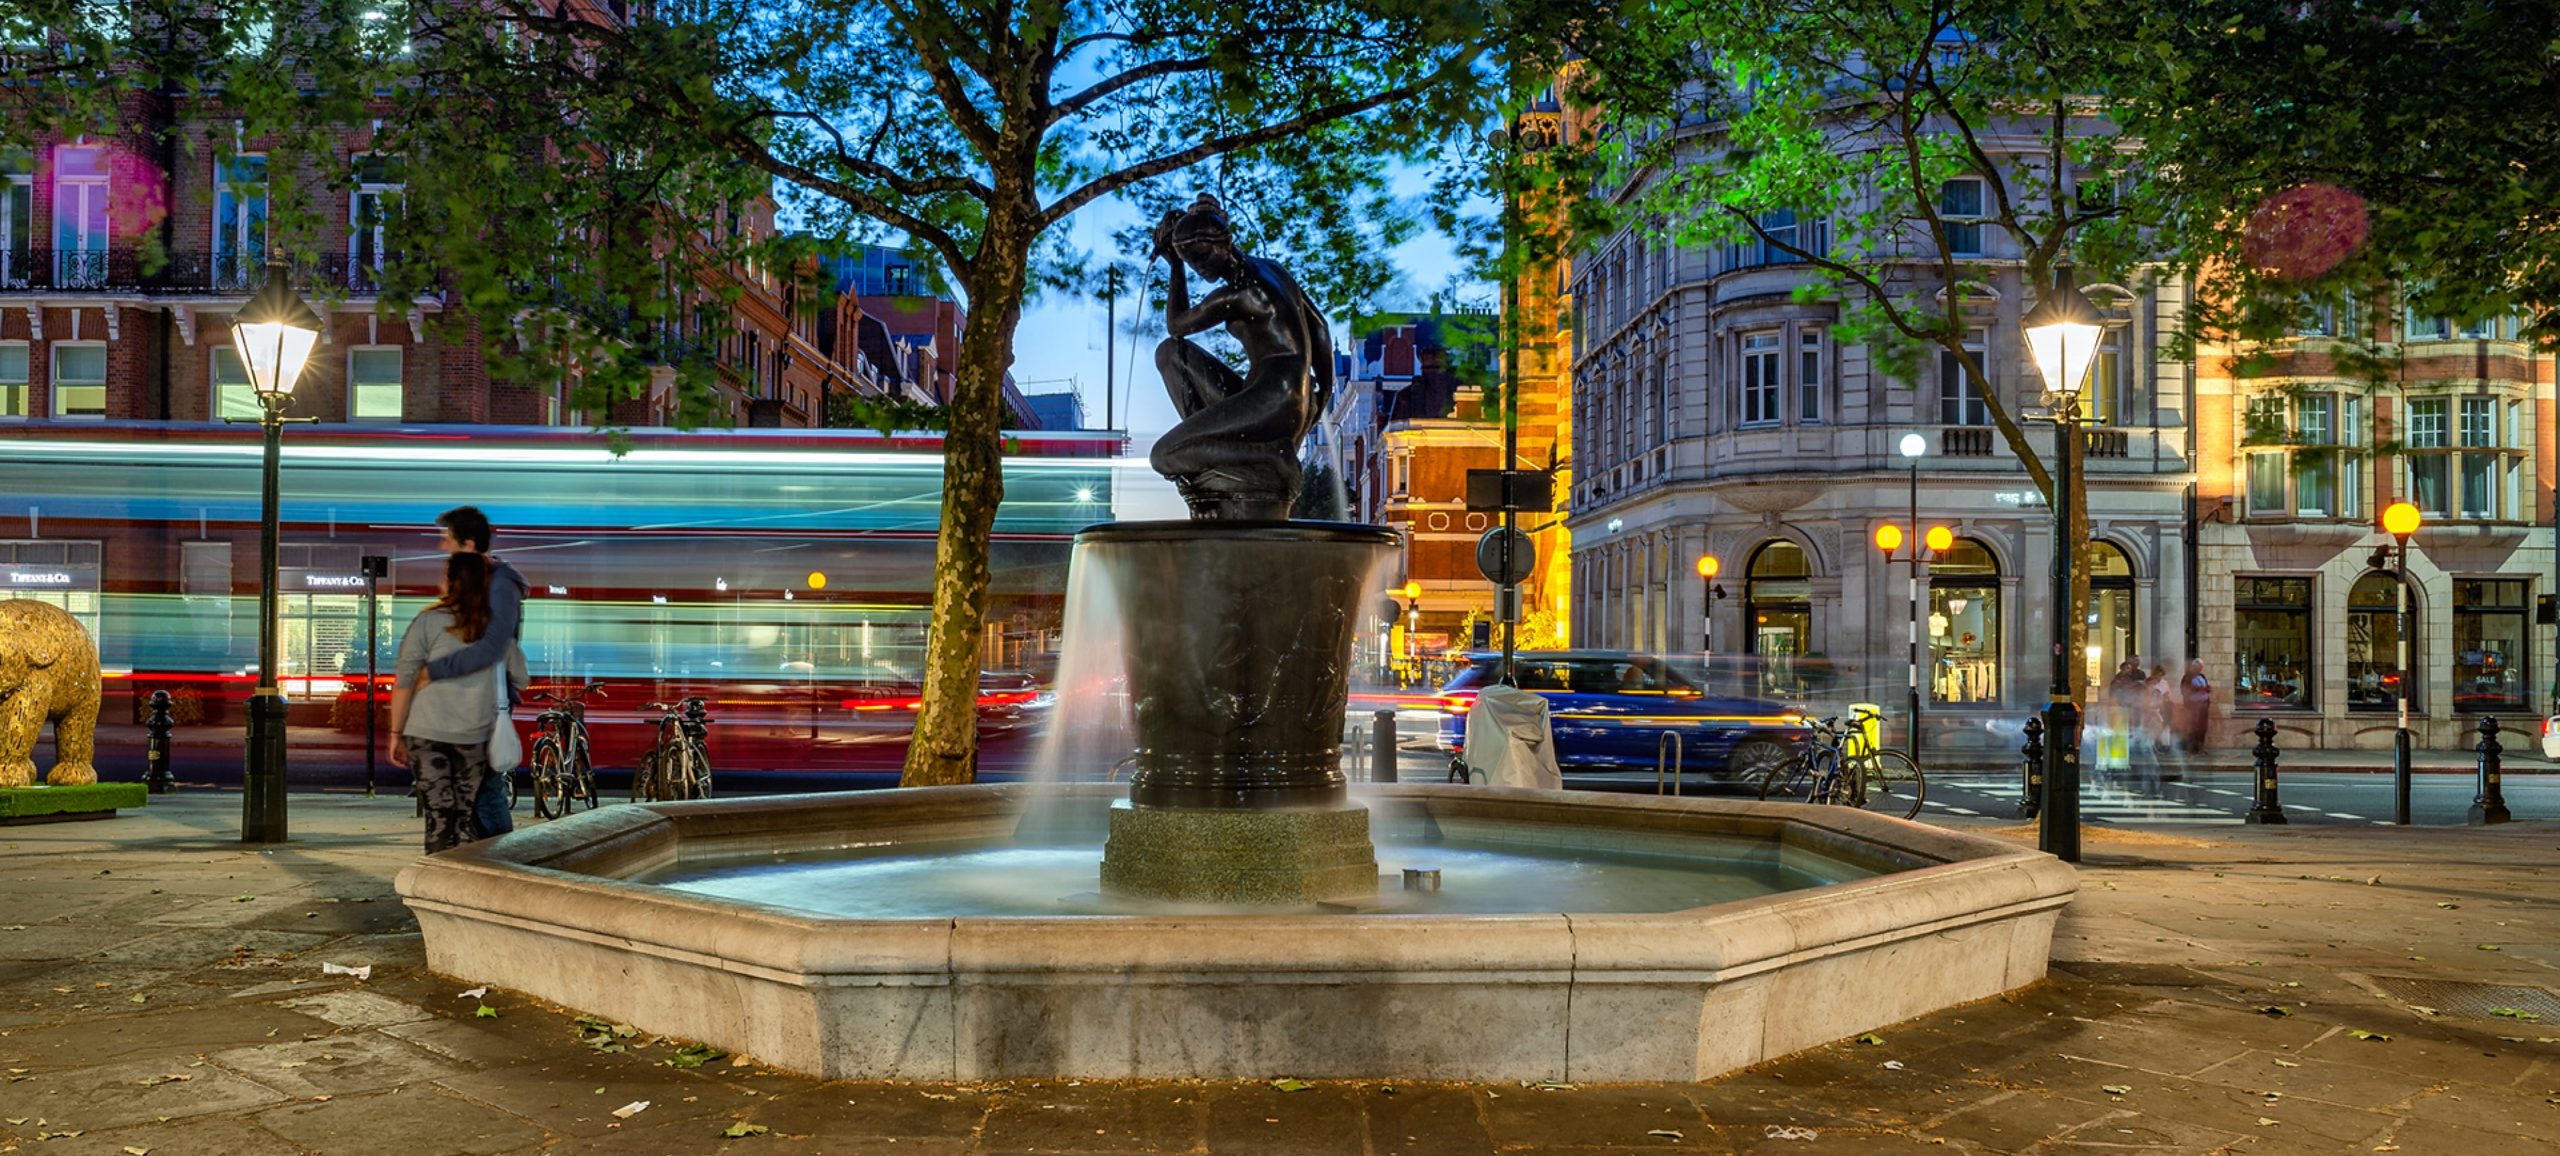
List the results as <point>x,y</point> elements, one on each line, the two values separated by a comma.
<point>2033,769</point>
<point>2266,809</point>
<point>2489,804</point>
<point>1382,747</point>
<point>155,746</point>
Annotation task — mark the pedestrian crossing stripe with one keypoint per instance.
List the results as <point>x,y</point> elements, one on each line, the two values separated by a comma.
<point>2104,806</point>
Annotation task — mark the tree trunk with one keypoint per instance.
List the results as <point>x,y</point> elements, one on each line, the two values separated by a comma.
<point>944,748</point>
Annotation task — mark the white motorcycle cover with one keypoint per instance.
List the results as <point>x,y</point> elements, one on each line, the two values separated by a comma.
<point>1509,741</point>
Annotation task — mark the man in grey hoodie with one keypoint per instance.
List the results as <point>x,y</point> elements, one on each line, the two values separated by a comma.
<point>466,528</point>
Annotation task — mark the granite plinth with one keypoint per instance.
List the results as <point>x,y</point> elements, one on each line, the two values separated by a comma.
<point>1276,858</point>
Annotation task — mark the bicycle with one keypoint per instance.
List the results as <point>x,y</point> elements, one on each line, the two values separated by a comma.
<point>562,771</point>
<point>676,768</point>
<point>1844,768</point>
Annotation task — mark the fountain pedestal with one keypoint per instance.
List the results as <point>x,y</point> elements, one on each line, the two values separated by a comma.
<point>1238,642</point>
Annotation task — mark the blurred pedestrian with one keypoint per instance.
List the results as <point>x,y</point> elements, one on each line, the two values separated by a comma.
<point>2195,707</point>
<point>440,727</point>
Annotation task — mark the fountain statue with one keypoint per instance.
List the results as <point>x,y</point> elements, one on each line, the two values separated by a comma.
<point>1239,623</point>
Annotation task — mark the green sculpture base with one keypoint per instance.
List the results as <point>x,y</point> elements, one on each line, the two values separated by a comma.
<point>1261,858</point>
<point>42,804</point>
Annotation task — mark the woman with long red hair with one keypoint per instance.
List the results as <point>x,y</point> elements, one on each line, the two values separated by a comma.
<point>441,730</point>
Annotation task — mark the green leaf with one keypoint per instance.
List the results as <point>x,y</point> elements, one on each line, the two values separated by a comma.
<point>2376,1037</point>
<point>742,1129</point>
<point>1870,1038</point>
<point>2117,1089</point>
<point>2515,1013</point>
<point>694,1056</point>
<point>1291,1084</point>
<point>486,1012</point>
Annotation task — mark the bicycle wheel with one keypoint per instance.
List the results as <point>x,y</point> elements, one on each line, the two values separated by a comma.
<point>1790,781</point>
<point>701,772</point>
<point>678,773</point>
<point>550,783</point>
<point>1894,784</point>
<point>582,777</point>
<point>644,778</point>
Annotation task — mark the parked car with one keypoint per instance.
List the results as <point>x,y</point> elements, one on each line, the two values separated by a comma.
<point>1610,710</point>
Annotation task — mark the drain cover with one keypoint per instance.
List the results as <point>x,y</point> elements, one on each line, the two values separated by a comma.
<point>2477,1000</point>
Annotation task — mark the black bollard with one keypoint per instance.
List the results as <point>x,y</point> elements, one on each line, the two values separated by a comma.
<point>2033,769</point>
<point>1382,754</point>
<point>156,775</point>
<point>2266,809</point>
<point>2489,804</point>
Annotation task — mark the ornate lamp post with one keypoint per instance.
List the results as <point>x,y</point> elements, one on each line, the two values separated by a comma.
<point>1912,447</point>
<point>273,333</point>
<point>1708,568</point>
<point>2062,334</point>
<point>2401,521</point>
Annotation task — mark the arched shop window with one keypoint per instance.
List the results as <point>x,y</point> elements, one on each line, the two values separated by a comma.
<point>2373,643</point>
<point>2489,658</point>
<point>2112,637</point>
<point>1964,625</point>
<point>1778,603</point>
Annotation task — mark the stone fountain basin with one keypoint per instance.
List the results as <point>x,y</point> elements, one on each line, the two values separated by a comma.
<point>553,911</point>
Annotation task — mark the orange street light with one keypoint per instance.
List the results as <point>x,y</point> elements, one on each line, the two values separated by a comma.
<point>1940,539</point>
<point>1708,567</point>
<point>817,579</point>
<point>2400,519</point>
<point>1411,591</point>
<point>1888,537</point>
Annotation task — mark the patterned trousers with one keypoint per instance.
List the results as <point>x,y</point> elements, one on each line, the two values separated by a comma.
<point>449,777</point>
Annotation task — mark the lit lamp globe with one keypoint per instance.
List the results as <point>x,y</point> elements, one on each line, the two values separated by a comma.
<point>1913,445</point>
<point>1940,539</point>
<point>2400,519</point>
<point>274,332</point>
<point>1708,567</point>
<point>2062,336</point>
<point>1888,537</point>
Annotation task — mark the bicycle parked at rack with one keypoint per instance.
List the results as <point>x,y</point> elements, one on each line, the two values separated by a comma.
<point>563,774</point>
<point>678,767</point>
<point>1844,767</point>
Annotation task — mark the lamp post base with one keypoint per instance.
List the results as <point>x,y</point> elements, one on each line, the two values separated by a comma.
<point>2058,830</point>
<point>262,817</point>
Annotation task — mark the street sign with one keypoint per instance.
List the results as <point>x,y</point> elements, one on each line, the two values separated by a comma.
<point>1532,490</point>
<point>1499,569</point>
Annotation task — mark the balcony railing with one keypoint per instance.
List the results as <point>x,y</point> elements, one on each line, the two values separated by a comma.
<point>191,271</point>
<point>2106,443</point>
<point>1965,441</point>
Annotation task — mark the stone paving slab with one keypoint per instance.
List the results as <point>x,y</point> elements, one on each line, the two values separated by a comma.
<point>2152,1037</point>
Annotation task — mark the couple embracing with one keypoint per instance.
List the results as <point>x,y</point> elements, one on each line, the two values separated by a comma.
<point>458,669</point>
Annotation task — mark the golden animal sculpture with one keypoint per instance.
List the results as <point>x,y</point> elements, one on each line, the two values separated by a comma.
<point>48,673</point>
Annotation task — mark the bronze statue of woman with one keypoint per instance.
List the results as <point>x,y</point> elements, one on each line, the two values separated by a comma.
<point>1234,455</point>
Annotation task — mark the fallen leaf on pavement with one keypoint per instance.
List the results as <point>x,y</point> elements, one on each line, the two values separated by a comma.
<point>2265,1122</point>
<point>1671,1133</point>
<point>364,972</point>
<point>2287,1064</point>
<point>631,1109</point>
<point>1291,1084</point>
<point>2377,1037</point>
<point>474,993</point>
<point>485,1012</point>
<point>743,1129</point>
<point>2117,1089</point>
<point>1871,1039</point>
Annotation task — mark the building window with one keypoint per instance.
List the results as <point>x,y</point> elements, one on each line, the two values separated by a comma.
<point>2105,394</point>
<point>373,384</point>
<point>13,379</point>
<point>80,217</point>
<point>79,379</point>
<point>239,222</point>
<point>1960,201</point>
<point>2489,657</point>
<point>2315,461</point>
<point>369,209</point>
<point>1760,379</point>
<point>2272,626</point>
<point>2472,481</point>
<point>1959,403</point>
<point>17,214</point>
<point>2424,327</point>
<point>2306,455</point>
<point>1809,376</point>
<point>1964,625</point>
<point>233,397</point>
<point>2114,634</point>
<point>1778,602</point>
<point>2478,422</point>
<point>2374,679</point>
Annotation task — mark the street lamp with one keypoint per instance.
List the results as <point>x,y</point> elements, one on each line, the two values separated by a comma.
<point>273,334</point>
<point>2401,520</point>
<point>1708,568</point>
<point>2062,334</point>
<point>1913,446</point>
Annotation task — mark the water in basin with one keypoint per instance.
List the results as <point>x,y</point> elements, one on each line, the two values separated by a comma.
<point>1008,879</point>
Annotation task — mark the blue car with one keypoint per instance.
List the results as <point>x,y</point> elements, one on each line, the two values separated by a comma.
<point>1610,709</point>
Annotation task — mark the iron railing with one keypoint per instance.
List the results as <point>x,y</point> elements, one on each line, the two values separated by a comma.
<point>184,271</point>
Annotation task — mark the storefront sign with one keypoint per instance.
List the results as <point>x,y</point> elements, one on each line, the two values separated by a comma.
<point>2018,497</point>
<point>48,577</point>
<point>312,581</point>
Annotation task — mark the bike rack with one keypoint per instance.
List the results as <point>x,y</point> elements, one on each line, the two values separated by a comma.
<point>1667,753</point>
